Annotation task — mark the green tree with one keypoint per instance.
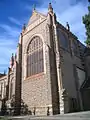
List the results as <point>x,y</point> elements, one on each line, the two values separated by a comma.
<point>86,21</point>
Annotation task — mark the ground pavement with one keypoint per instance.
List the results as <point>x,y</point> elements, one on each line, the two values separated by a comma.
<point>70,116</point>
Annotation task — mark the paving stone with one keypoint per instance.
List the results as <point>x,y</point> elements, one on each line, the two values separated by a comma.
<point>70,116</point>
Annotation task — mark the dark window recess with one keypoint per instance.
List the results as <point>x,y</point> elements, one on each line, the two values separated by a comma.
<point>63,40</point>
<point>11,90</point>
<point>81,49</point>
<point>75,47</point>
<point>1,89</point>
<point>35,63</point>
<point>74,107</point>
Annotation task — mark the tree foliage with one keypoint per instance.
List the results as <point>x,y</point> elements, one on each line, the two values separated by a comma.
<point>86,21</point>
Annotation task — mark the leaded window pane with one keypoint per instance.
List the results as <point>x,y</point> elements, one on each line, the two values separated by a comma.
<point>35,57</point>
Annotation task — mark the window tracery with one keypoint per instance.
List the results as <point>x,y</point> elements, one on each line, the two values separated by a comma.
<point>35,57</point>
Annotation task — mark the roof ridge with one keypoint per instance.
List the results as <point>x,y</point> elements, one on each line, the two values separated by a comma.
<point>35,15</point>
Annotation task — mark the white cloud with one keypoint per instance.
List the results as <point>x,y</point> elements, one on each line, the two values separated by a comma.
<point>8,43</point>
<point>28,7</point>
<point>10,31</point>
<point>15,21</point>
<point>6,49</point>
<point>73,15</point>
<point>44,10</point>
<point>70,11</point>
<point>66,10</point>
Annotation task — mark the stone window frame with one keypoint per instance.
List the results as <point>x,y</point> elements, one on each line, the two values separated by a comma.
<point>64,41</point>
<point>1,89</point>
<point>32,52</point>
<point>11,88</point>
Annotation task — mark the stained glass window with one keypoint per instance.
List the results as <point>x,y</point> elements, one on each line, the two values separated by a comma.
<point>35,57</point>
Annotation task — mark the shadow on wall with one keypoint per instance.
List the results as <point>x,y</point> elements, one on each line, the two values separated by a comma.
<point>3,107</point>
<point>5,110</point>
<point>8,108</point>
<point>24,109</point>
<point>74,106</point>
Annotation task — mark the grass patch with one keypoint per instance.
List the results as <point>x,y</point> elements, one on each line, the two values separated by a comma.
<point>3,118</point>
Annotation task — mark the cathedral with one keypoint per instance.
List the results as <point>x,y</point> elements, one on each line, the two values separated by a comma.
<point>50,72</point>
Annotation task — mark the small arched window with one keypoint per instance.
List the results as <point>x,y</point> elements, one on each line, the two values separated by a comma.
<point>35,63</point>
<point>64,42</point>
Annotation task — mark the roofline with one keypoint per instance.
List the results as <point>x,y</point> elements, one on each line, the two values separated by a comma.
<point>3,77</point>
<point>69,32</point>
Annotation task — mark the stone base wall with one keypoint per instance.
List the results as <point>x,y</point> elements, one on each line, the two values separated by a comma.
<point>41,110</point>
<point>35,94</point>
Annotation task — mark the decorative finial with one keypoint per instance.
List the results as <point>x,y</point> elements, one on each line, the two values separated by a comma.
<point>12,58</point>
<point>15,56</point>
<point>68,27</point>
<point>50,9</point>
<point>12,54</point>
<point>34,7</point>
<point>12,61</point>
<point>24,26</point>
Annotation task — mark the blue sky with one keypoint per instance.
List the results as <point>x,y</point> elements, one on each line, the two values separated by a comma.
<point>14,13</point>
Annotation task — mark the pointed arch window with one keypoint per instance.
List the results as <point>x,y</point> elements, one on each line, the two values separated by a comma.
<point>35,63</point>
<point>64,42</point>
